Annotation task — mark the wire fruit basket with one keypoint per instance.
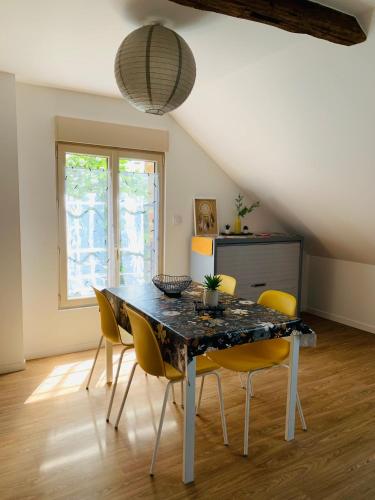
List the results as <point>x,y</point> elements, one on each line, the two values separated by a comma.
<point>172,286</point>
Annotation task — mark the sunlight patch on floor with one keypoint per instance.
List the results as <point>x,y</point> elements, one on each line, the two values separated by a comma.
<point>69,458</point>
<point>69,378</point>
<point>61,434</point>
<point>146,432</point>
<point>63,379</point>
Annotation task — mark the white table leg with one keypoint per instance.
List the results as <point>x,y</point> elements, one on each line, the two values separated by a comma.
<point>189,422</point>
<point>290,418</point>
<point>108,361</point>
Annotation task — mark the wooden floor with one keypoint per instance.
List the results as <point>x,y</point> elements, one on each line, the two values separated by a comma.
<point>55,443</point>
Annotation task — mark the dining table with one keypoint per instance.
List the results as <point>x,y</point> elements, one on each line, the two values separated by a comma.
<point>184,331</point>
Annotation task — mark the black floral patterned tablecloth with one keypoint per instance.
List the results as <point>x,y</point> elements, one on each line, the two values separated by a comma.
<point>177,324</point>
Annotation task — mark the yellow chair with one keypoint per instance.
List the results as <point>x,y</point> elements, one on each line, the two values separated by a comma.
<point>150,360</point>
<point>111,332</point>
<point>261,355</point>
<point>228,284</point>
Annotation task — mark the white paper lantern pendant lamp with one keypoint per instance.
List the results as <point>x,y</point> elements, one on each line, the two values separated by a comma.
<point>155,69</point>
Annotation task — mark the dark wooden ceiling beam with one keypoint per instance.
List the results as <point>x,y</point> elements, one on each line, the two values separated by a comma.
<point>297,16</point>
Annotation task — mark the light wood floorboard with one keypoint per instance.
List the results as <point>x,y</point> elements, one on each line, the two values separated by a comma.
<point>55,443</point>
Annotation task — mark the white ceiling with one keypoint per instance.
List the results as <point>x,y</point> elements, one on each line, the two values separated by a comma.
<point>289,117</point>
<point>72,43</point>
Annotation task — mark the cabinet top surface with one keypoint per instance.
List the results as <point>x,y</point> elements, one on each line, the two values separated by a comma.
<point>251,239</point>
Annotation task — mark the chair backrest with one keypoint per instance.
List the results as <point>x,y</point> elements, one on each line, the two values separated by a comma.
<point>280,301</point>
<point>146,346</point>
<point>228,284</point>
<point>109,326</point>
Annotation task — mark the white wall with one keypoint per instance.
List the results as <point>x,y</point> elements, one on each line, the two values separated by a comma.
<point>11,344</point>
<point>342,291</point>
<point>189,172</point>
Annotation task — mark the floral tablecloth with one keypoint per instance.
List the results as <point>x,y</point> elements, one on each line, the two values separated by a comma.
<point>178,326</point>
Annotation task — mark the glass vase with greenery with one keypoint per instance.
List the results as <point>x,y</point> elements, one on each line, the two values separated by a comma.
<point>242,210</point>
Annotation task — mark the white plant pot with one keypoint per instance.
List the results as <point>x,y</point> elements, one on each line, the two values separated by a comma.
<point>211,298</point>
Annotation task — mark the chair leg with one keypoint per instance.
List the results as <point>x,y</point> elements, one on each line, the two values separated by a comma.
<point>247,416</point>
<point>243,386</point>
<point>153,460</point>
<point>94,363</point>
<point>300,412</point>
<point>200,396</point>
<point>182,393</point>
<point>222,412</point>
<point>125,395</point>
<point>251,384</point>
<point>115,383</point>
<point>173,395</point>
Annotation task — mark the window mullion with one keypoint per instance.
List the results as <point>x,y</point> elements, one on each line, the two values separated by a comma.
<point>115,251</point>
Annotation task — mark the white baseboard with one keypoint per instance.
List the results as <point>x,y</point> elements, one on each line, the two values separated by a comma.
<point>341,319</point>
<point>64,349</point>
<point>12,367</point>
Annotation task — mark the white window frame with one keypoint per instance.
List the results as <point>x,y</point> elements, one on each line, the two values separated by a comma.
<point>113,155</point>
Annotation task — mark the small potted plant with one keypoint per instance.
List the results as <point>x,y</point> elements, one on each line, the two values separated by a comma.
<point>227,229</point>
<point>211,293</point>
<point>242,211</point>
<point>245,230</point>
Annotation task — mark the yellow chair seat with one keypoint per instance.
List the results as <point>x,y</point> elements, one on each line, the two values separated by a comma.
<point>254,356</point>
<point>275,350</point>
<point>204,365</point>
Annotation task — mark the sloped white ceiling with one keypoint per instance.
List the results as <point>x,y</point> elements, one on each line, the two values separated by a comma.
<point>289,117</point>
<point>297,127</point>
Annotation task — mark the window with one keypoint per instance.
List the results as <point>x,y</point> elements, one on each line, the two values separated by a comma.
<point>110,219</point>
